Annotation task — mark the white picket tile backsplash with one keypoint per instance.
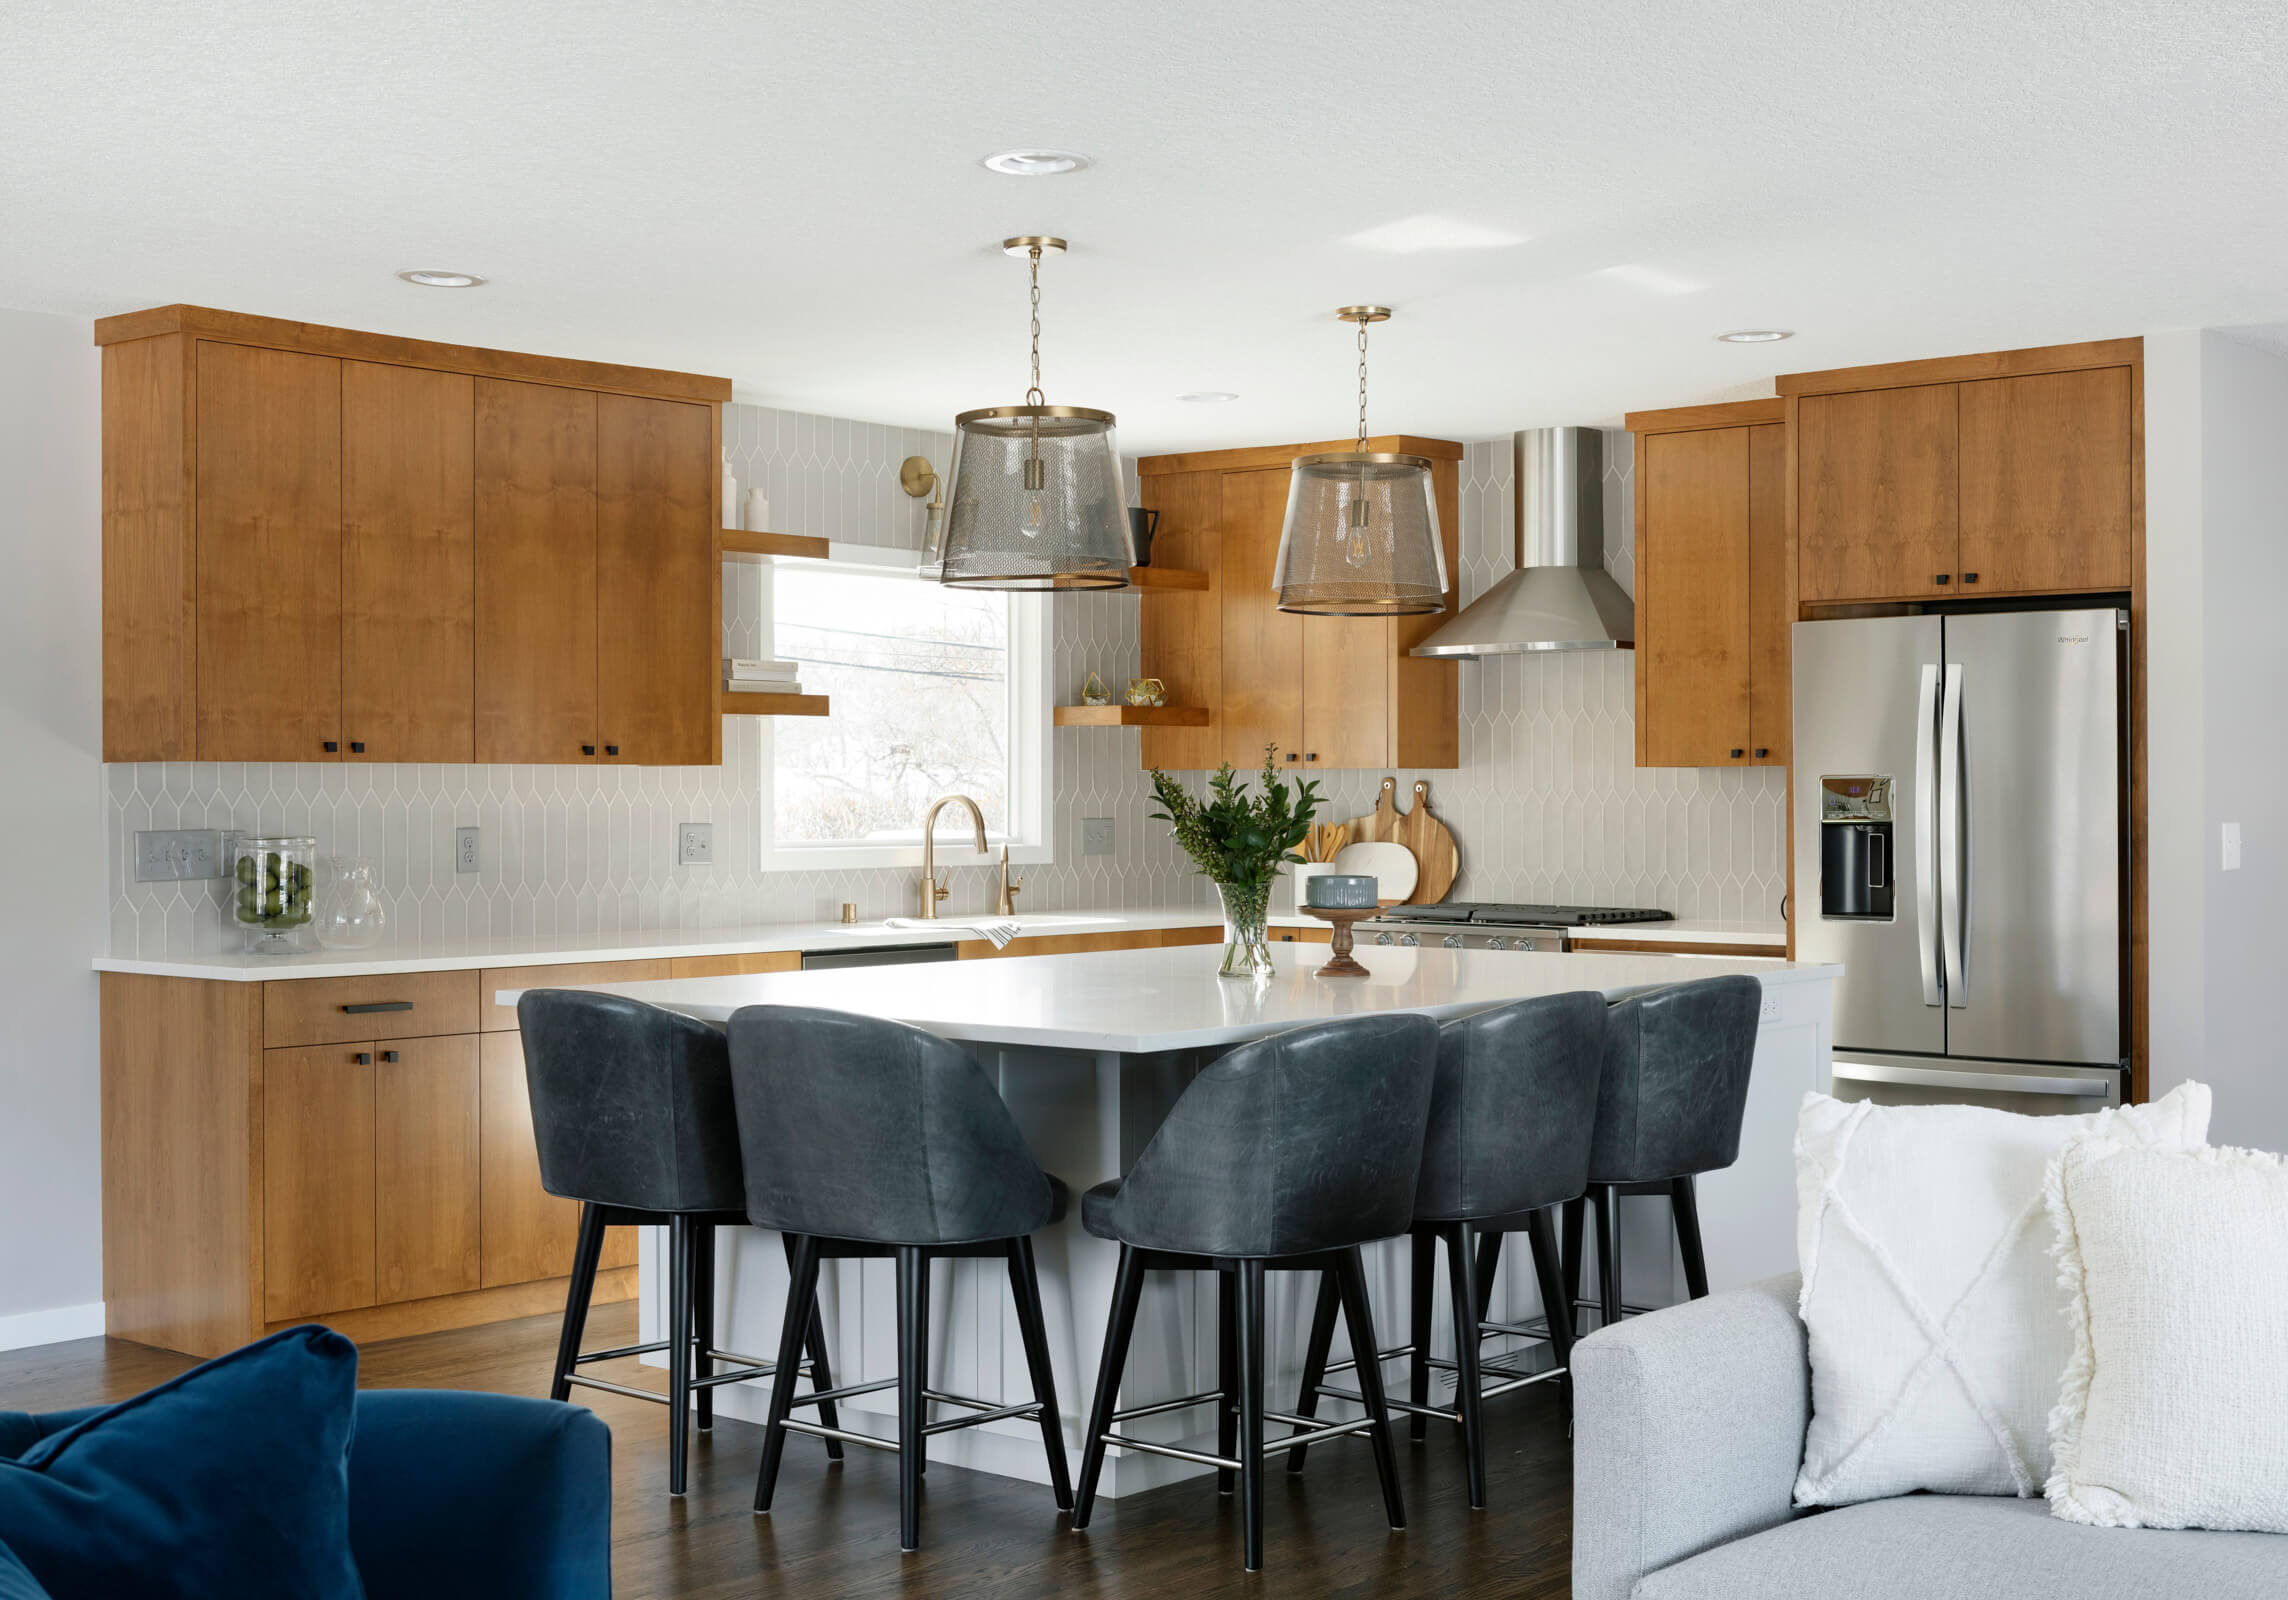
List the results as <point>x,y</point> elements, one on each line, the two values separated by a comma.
<point>1546,805</point>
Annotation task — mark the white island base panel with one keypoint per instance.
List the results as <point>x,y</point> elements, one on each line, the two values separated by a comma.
<point>1090,1051</point>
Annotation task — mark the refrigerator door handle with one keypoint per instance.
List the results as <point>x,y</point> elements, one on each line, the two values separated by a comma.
<point>1926,833</point>
<point>1954,909</point>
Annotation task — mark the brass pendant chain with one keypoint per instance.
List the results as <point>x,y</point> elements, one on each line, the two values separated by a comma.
<point>1036,476</point>
<point>1361,384</point>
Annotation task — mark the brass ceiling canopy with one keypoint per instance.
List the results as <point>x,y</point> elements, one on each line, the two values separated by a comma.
<point>1361,537</point>
<point>1037,499</point>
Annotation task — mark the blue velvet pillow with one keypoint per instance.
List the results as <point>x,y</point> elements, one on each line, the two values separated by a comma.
<point>15,1582</point>
<point>230,1482</point>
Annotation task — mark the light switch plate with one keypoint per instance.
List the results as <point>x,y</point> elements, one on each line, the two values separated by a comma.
<point>178,856</point>
<point>695,844</point>
<point>2228,850</point>
<point>465,849</point>
<point>1096,836</point>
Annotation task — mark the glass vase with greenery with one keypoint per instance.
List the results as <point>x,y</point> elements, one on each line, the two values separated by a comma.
<point>1240,841</point>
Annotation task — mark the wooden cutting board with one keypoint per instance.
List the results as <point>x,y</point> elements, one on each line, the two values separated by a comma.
<point>1433,847</point>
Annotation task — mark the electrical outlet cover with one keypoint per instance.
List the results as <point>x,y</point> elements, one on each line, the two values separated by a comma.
<point>1096,836</point>
<point>695,844</point>
<point>178,856</point>
<point>465,849</point>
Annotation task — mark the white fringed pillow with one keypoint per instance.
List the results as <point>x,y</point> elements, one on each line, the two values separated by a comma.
<point>1936,1324</point>
<point>2173,1412</point>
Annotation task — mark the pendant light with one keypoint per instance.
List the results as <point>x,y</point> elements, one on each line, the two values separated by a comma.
<point>1361,537</point>
<point>1036,500</point>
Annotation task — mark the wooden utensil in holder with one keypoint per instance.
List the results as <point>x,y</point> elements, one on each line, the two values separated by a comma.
<point>1339,941</point>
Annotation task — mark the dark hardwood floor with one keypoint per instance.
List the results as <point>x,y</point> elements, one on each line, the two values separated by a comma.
<point>834,1530</point>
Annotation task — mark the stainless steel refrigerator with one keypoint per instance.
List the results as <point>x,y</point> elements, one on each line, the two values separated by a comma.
<point>1961,848</point>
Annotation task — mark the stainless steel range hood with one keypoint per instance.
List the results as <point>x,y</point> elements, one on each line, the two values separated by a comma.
<point>1561,597</point>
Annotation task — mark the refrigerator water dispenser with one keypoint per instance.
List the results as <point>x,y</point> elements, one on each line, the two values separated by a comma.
<point>1855,856</point>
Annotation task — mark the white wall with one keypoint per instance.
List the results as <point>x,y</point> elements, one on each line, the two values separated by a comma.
<point>2217,667</point>
<point>51,816</point>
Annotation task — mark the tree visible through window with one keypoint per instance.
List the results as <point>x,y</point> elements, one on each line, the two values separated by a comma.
<point>919,674</point>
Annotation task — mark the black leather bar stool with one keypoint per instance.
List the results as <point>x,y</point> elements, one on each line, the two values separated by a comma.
<point>1669,1107</point>
<point>1287,1154</point>
<point>631,1111</point>
<point>1511,1118</point>
<point>867,1138</point>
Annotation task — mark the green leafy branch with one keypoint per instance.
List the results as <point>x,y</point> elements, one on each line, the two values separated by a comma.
<point>1235,837</point>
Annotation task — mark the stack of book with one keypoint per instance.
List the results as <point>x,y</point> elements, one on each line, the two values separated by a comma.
<point>741,676</point>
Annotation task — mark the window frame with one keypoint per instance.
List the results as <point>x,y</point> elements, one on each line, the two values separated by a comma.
<point>1030,835</point>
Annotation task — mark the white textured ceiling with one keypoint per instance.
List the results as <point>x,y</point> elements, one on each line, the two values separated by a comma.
<point>790,195</point>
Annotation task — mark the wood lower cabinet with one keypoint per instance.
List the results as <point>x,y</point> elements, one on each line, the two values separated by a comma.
<point>1713,598</point>
<point>328,545</point>
<point>425,1168</point>
<point>317,1180</point>
<point>1329,692</point>
<point>526,1232</point>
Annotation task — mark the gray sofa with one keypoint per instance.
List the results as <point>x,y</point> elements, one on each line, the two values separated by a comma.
<point>1688,1428</point>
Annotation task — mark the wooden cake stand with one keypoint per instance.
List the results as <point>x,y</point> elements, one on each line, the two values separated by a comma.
<point>1342,966</point>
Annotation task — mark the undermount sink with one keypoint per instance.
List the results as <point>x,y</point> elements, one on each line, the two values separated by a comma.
<point>1029,925</point>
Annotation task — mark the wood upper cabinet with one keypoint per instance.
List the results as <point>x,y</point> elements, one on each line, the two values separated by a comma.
<point>408,579</point>
<point>2046,482</point>
<point>269,518</point>
<point>2016,472</point>
<point>1330,692</point>
<point>328,545</point>
<point>535,572</point>
<point>1713,599</point>
<point>659,602</point>
<point>1876,519</point>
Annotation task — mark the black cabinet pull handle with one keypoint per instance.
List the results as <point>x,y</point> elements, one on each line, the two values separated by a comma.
<point>1291,755</point>
<point>1941,579</point>
<point>611,749</point>
<point>378,1005</point>
<point>332,746</point>
<point>361,1059</point>
<point>357,747</point>
<point>389,1055</point>
<point>1761,752</point>
<point>1737,754</point>
<point>587,749</point>
<point>1970,577</point>
<point>1312,756</point>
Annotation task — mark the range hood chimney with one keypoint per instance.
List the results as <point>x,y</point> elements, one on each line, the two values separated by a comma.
<point>1560,597</point>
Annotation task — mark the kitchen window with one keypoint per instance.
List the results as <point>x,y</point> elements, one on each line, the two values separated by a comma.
<point>936,691</point>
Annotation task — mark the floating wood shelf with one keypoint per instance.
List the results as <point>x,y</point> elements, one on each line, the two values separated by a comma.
<point>1165,578</point>
<point>738,546</point>
<point>1132,716</point>
<point>733,703</point>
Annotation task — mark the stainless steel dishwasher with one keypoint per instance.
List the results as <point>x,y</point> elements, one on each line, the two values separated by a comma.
<point>880,955</point>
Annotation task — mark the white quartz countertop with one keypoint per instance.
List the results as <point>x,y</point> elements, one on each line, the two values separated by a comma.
<point>1141,1001</point>
<point>1689,930</point>
<point>511,950</point>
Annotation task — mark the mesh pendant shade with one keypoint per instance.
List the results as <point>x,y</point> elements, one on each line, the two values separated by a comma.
<point>1031,511</point>
<point>1361,538</point>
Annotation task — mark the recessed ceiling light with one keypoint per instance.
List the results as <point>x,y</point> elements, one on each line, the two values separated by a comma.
<point>1756,335</point>
<point>430,278</point>
<point>1034,163</point>
<point>1207,397</point>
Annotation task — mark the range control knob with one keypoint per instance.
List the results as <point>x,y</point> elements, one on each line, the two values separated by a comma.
<point>1408,939</point>
<point>1497,942</point>
<point>1452,941</point>
<point>1382,938</point>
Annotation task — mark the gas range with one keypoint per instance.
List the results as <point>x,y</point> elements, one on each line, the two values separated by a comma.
<point>1483,925</point>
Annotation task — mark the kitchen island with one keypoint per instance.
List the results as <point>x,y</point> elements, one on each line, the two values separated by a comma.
<point>1090,1051</point>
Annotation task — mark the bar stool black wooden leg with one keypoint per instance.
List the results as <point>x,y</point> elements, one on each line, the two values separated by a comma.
<point>1462,1262</point>
<point>1608,1201</point>
<point>801,1310</point>
<point>1360,1316</point>
<point>1489,1263</point>
<point>1572,1220</point>
<point>1687,1207</point>
<point>679,1275</point>
<point>913,1363</point>
<point>1314,1366</point>
<point>1025,1287</point>
<point>1227,1374</point>
<point>1543,1242</point>
<point>1424,1245</point>
<point>703,1317</point>
<point>921,1458</point>
<point>576,1296</point>
<point>1127,1288</point>
<point>1251,1411</point>
<point>821,1371</point>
